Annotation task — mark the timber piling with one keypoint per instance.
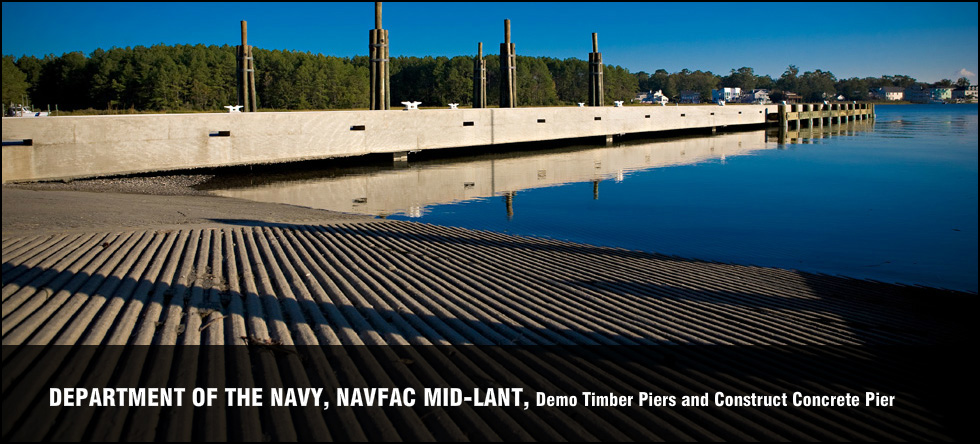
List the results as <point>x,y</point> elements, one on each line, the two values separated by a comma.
<point>378,59</point>
<point>595,73</point>
<point>246,73</point>
<point>508,70</point>
<point>479,79</point>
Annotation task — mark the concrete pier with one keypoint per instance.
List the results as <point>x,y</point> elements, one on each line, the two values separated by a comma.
<point>90,146</point>
<point>55,148</point>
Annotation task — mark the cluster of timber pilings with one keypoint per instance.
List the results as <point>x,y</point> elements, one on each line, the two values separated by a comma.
<point>508,71</point>
<point>595,73</point>
<point>378,59</point>
<point>479,79</point>
<point>809,115</point>
<point>246,73</point>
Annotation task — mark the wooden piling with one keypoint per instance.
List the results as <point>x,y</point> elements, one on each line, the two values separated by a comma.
<point>479,79</point>
<point>783,119</point>
<point>595,73</point>
<point>246,73</point>
<point>251,80</point>
<point>380,88</point>
<point>508,70</point>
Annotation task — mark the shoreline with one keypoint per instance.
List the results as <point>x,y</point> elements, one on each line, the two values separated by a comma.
<point>47,227</point>
<point>207,291</point>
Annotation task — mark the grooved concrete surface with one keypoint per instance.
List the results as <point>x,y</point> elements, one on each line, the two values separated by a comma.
<point>362,281</point>
<point>406,283</point>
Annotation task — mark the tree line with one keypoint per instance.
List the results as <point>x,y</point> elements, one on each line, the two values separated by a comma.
<point>202,78</point>
<point>811,86</point>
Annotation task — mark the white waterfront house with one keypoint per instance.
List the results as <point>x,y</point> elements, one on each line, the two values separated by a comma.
<point>890,93</point>
<point>659,97</point>
<point>652,97</point>
<point>726,94</point>
<point>756,96</point>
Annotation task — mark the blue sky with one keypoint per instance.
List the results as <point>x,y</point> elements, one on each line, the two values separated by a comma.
<point>928,41</point>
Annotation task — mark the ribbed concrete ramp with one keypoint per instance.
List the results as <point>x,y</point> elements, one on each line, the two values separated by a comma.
<point>570,318</point>
<point>408,283</point>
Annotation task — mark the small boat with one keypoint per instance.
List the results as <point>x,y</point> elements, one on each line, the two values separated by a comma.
<point>24,111</point>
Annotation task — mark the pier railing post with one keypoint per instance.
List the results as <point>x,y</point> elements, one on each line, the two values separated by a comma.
<point>380,90</point>
<point>508,70</point>
<point>595,73</point>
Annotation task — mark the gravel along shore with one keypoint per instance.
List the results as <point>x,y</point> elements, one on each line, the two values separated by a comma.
<point>162,185</point>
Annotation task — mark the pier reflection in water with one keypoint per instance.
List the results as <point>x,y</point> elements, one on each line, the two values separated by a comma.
<point>854,199</point>
<point>409,190</point>
<point>810,135</point>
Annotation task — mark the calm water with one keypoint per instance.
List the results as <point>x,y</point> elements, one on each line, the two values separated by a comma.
<point>894,200</point>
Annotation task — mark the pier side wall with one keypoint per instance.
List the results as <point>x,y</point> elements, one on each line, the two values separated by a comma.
<point>52,148</point>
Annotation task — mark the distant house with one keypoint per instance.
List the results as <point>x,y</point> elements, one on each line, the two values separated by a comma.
<point>659,98</point>
<point>757,96</point>
<point>968,93</point>
<point>890,93</point>
<point>791,97</point>
<point>918,94</point>
<point>941,93</point>
<point>652,97</point>
<point>726,94</point>
<point>688,96</point>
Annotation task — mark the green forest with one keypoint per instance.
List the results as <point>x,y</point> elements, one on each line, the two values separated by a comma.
<point>183,78</point>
